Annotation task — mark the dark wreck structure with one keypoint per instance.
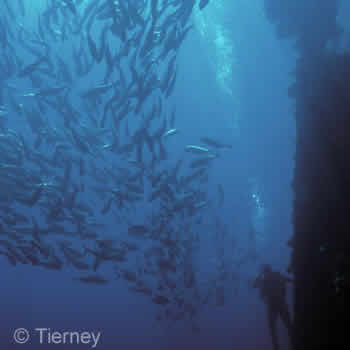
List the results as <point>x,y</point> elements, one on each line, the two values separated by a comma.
<point>321,216</point>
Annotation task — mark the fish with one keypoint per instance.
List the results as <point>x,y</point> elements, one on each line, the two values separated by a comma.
<point>31,68</point>
<point>92,279</point>
<point>203,162</point>
<point>202,4</point>
<point>50,91</point>
<point>213,143</point>
<point>196,149</point>
<point>221,194</point>
<point>143,290</point>
<point>107,206</point>
<point>160,300</point>
<point>77,143</point>
<point>138,231</point>
<point>70,4</point>
<point>170,132</point>
<point>129,275</point>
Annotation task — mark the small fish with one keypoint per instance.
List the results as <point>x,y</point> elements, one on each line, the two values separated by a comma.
<point>170,132</point>
<point>92,279</point>
<point>213,143</point>
<point>160,300</point>
<point>107,206</point>
<point>196,149</point>
<point>130,276</point>
<point>137,230</point>
<point>50,91</point>
<point>29,94</point>
<point>3,111</point>
<point>144,290</point>
<point>202,4</point>
<point>30,68</point>
<point>71,6</point>
<point>202,162</point>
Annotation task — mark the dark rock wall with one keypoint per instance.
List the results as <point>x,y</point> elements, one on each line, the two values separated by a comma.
<point>321,182</point>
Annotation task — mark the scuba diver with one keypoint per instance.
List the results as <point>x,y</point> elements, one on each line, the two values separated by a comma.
<point>272,287</point>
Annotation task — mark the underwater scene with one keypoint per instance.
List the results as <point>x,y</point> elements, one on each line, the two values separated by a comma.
<point>147,150</point>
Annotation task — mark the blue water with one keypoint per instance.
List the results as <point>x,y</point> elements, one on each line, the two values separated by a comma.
<point>260,165</point>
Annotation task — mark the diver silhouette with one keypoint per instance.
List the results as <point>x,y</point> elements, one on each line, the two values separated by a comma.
<point>272,287</point>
